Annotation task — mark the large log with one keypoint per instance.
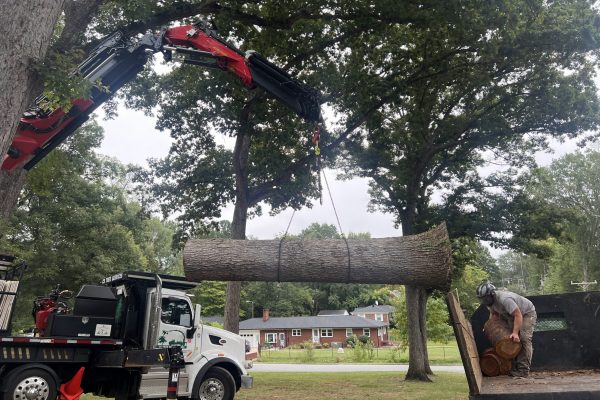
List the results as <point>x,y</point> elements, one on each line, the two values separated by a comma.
<point>420,260</point>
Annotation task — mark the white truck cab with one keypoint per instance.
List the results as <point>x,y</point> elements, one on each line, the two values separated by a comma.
<point>216,359</point>
<point>135,336</point>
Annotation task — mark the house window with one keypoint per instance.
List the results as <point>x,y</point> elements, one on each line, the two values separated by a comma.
<point>348,332</point>
<point>378,317</point>
<point>367,332</point>
<point>296,332</point>
<point>270,337</point>
<point>326,332</point>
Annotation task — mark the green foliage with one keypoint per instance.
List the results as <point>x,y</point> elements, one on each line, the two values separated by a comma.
<point>437,323</point>
<point>309,351</point>
<point>351,341</point>
<point>215,324</point>
<point>568,188</point>
<point>363,350</point>
<point>283,299</point>
<point>75,224</point>
<point>466,285</point>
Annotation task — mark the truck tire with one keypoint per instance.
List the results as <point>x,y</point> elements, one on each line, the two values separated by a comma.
<point>217,384</point>
<point>30,384</point>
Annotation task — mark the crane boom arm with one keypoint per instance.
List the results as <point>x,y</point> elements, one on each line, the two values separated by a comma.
<point>117,60</point>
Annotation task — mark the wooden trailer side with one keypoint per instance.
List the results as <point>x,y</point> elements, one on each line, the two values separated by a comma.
<point>466,344</point>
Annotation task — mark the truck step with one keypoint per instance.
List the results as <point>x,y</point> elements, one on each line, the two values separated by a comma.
<point>154,384</point>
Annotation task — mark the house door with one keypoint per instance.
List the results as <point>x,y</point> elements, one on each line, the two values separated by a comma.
<point>281,339</point>
<point>315,335</point>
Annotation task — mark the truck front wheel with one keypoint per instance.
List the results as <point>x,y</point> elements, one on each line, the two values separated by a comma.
<point>30,384</point>
<point>218,384</point>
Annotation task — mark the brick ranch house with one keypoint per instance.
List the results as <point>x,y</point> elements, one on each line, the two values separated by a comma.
<point>286,331</point>
<point>375,312</point>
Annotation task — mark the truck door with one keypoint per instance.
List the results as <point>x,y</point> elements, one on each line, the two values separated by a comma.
<point>175,321</point>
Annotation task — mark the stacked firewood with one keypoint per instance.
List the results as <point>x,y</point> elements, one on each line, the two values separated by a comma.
<point>7,300</point>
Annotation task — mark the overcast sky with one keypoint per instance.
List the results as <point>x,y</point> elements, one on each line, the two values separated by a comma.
<point>132,138</point>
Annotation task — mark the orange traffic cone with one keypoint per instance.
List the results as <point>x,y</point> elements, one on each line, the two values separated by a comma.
<point>72,390</point>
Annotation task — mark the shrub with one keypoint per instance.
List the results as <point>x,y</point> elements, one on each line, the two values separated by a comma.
<point>309,351</point>
<point>326,345</point>
<point>351,341</point>
<point>363,351</point>
<point>364,339</point>
<point>396,354</point>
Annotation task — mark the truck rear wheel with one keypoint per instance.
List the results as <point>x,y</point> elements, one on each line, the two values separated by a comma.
<point>218,384</point>
<point>31,384</point>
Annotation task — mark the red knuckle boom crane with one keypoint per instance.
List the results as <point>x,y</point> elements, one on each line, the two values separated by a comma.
<point>117,60</point>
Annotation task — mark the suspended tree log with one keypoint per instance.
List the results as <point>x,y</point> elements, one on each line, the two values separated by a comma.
<point>420,260</point>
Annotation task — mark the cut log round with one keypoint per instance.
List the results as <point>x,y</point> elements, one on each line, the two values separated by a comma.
<point>493,364</point>
<point>419,260</point>
<point>498,332</point>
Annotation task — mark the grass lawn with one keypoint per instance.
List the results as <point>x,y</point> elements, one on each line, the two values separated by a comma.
<point>438,354</point>
<point>353,386</point>
<point>348,386</point>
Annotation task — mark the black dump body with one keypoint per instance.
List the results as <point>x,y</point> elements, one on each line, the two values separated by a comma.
<point>116,309</point>
<point>566,356</point>
<point>567,333</point>
<point>104,334</point>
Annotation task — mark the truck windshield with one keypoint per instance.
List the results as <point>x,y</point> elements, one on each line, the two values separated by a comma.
<point>176,312</point>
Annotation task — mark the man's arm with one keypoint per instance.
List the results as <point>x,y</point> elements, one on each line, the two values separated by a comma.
<point>518,322</point>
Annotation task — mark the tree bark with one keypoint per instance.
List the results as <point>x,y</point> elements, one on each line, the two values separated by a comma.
<point>78,15</point>
<point>25,31</point>
<point>417,347</point>
<point>11,183</point>
<point>421,260</point>
<point>416,309</point>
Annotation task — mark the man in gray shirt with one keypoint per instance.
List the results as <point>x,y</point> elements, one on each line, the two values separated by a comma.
<point>520,314</point>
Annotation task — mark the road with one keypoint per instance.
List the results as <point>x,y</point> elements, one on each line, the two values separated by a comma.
<point>268,367</point>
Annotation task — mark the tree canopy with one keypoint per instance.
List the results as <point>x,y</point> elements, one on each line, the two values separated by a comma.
<point>76,223</point>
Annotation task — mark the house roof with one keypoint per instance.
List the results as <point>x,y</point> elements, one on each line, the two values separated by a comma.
<point>374,309</point>
<point>332,312</point>
<point>338,321</point>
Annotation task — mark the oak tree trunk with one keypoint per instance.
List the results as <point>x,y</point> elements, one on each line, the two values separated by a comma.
<point>240,216</point>
<point>25,31</point>
<point>11,183</point>
<point>421,260</point>
<point>417,347</point>
<point>78,15</point>
<point>416,310</point>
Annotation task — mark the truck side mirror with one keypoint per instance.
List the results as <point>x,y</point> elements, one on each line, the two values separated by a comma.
<point>196,323</point>
<point>190,332</point>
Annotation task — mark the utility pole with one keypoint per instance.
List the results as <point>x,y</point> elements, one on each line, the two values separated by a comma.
<point>250,301</point>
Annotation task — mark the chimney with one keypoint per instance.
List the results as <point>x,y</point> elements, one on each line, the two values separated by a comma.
<point>265,314</point>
